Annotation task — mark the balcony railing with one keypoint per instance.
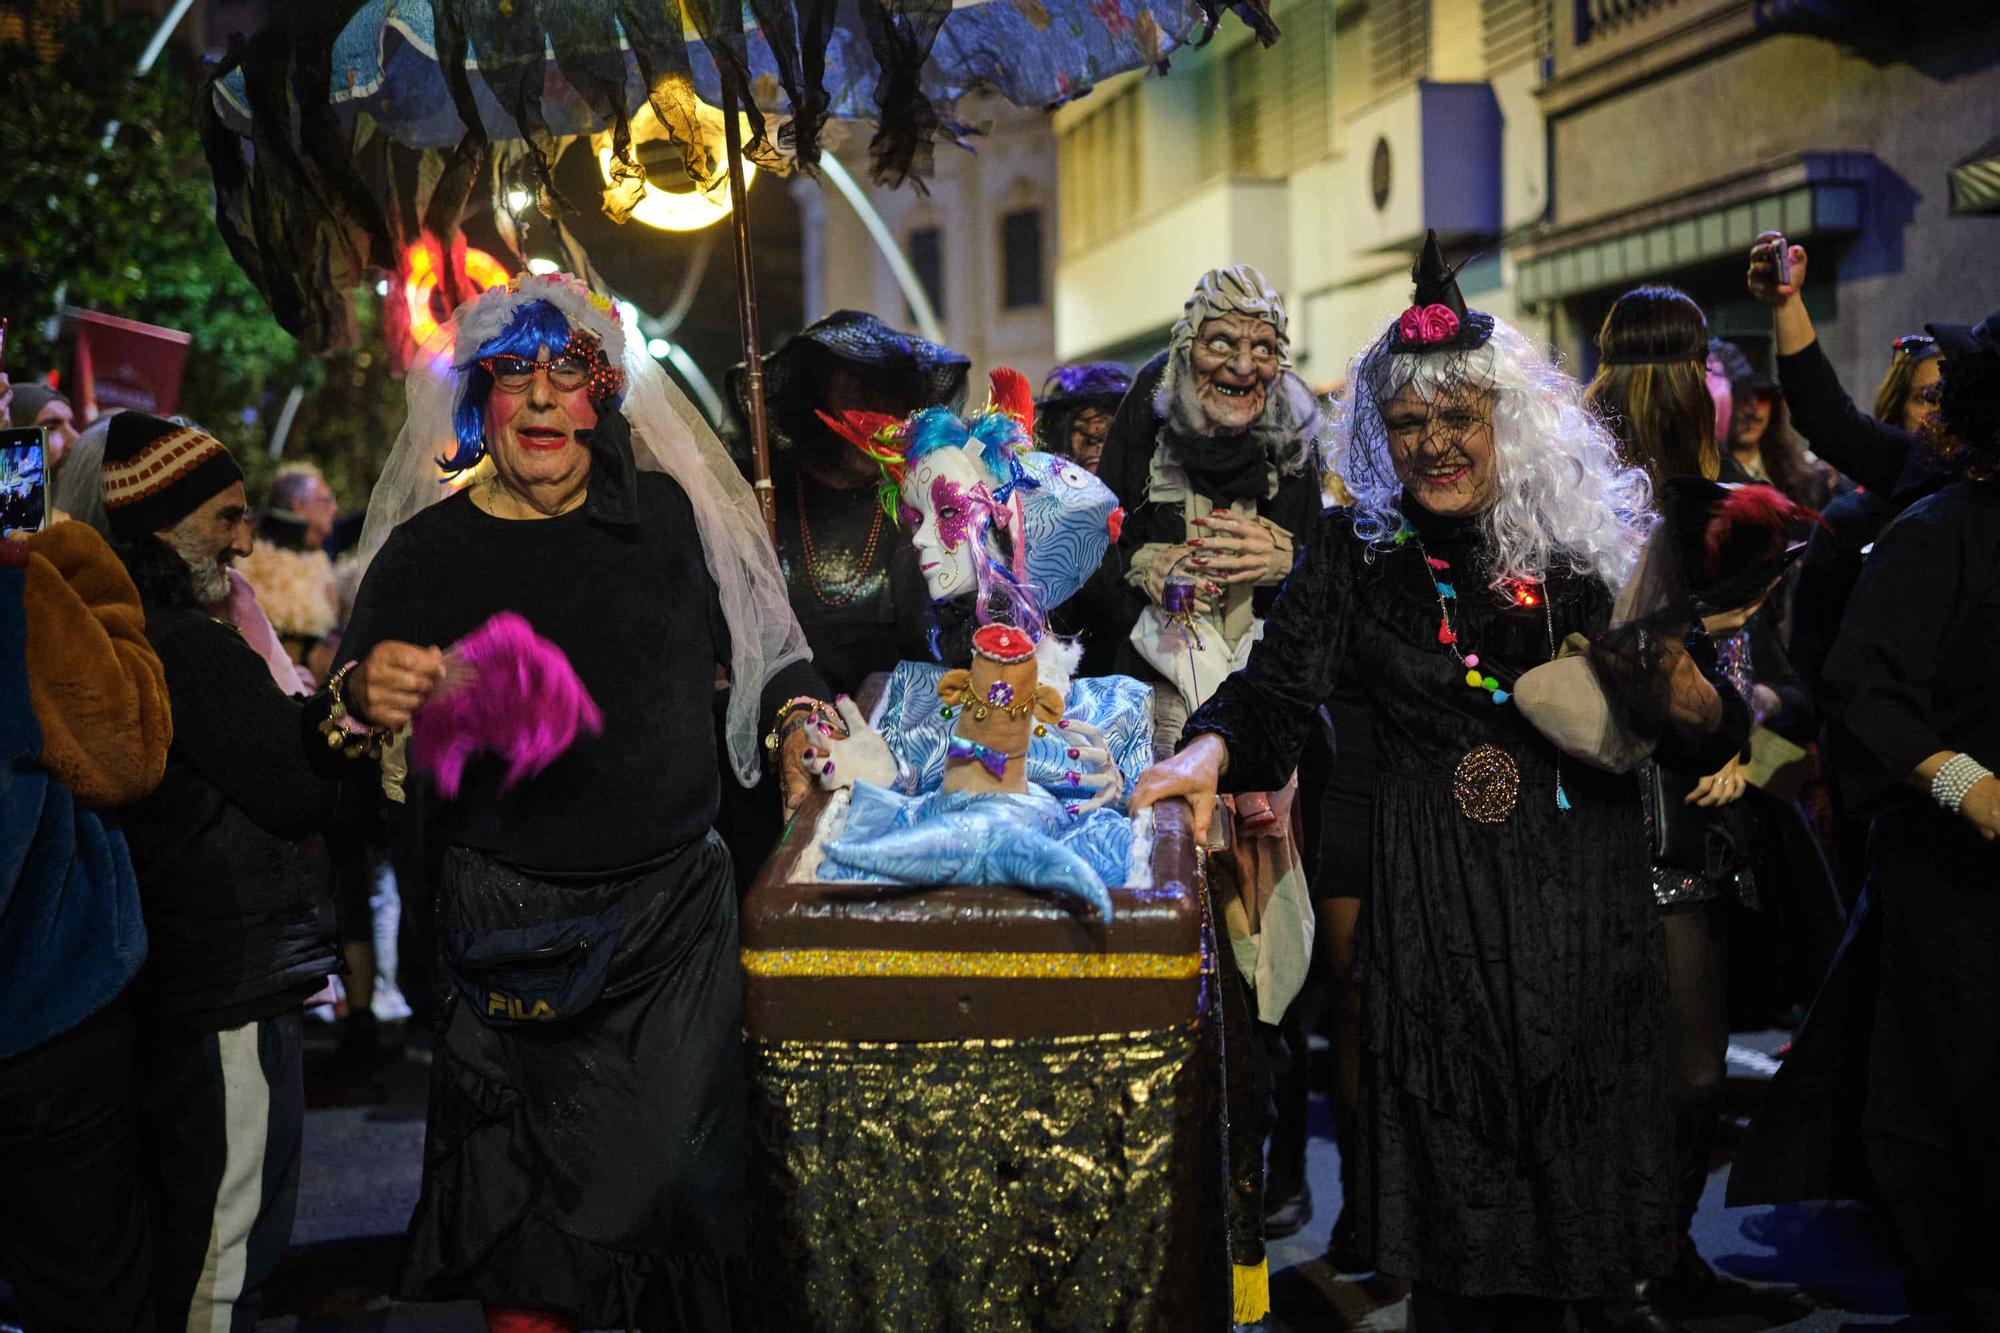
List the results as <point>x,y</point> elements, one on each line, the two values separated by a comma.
<point>1594,16</point>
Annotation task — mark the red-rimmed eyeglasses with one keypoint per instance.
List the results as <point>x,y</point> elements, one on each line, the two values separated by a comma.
<point>515,373</point>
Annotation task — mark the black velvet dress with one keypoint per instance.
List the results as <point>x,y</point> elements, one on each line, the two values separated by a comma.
<point>1511,1136</point>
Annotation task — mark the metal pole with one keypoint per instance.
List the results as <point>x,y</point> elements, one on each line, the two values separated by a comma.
<point>746,315</point>
<point>878,230</point>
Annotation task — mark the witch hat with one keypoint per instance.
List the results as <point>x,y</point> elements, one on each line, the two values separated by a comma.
<point>1438,319</point>
<point>1436,281</point>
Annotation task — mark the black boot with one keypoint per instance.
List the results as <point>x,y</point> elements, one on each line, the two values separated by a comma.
<point>1639,1311</point>
<point>1343,1248</point>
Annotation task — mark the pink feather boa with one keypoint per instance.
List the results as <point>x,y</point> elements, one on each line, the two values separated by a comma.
<point>523,702</point>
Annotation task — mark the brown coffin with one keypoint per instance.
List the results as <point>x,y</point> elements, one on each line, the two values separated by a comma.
<point>861,962</point>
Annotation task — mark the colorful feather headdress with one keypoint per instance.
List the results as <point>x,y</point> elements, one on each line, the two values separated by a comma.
<point>998,435</point>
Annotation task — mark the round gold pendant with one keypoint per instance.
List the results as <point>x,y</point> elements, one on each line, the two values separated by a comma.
<point>1487,785</point>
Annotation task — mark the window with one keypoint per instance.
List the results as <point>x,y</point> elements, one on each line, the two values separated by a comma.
<point>1021,248</point>
<point>926,248</point>
<point>1097,165</point>
<point>1515,30</point>
<point>1243,80</point>
<point>1399,40</point>
<point>1308,101</point>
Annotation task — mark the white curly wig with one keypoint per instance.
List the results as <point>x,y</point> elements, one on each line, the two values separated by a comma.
<point>1566,501</point>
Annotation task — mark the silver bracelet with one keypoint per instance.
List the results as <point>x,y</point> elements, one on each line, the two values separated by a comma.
<point>1954,778</point>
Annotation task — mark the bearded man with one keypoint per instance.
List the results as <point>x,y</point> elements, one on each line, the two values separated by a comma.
<point>232,882</point>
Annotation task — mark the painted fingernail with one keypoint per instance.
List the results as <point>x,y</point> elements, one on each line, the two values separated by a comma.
<point>1073,809</point>
<point>1196,544</point>
<point>1075,753</point>
<point>1075,778</point>
<point>811,753</point>
<point>1063,722</point>
<point>829,766</point>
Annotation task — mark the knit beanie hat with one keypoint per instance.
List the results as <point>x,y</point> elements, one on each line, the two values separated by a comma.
<point>156,473</point>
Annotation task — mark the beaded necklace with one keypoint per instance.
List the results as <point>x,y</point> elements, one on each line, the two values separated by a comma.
<point>1525,594</point>
<point>858,579</point>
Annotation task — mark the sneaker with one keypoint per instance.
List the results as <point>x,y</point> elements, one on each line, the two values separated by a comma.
<point>1288,1215</point>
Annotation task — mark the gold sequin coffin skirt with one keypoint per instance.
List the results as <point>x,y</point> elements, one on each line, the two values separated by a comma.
<point>974,1108</point>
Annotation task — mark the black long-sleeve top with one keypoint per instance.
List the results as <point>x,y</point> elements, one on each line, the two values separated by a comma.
<point>1378,614</point>
<point>639,617</point>
<point>1872,452</point>
<point>1912,671</point>
<point>1797,718</point>
<point>234,889</point>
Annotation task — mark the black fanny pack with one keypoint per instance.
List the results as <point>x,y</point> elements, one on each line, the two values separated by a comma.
<point>515,973</point>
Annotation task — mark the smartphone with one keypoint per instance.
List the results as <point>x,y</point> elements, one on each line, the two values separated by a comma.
<point>1781,260</point>
<point>24,492</point>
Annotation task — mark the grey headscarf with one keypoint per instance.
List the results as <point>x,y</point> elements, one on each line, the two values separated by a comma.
<point>78,489</point>
<point>1288,430</point>
<point>29,400</point>
<point>1236,290</point>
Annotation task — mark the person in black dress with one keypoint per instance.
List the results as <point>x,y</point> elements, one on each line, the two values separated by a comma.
<point>1651,391</point>
<point>1512,1154</point>
<point>1891,1087</point>
<point>853,580</point>
<point>584,1157</point>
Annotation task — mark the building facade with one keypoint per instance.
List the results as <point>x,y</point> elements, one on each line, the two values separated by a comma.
<point>1680,129</point>
<point>1570,149</point>
<point>982,240</point>
<point>1321,161</point>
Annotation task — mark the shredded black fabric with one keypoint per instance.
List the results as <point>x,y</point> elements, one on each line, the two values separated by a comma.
<point>901,40</point>
<point>307,215</point>
<point>304,225</point>
<point>797,31</point>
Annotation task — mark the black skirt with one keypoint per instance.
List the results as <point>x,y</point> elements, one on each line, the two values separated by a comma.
<point>585,1145</point>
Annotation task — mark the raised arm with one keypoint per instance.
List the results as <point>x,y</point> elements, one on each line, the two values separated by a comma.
<point>1870,451</point>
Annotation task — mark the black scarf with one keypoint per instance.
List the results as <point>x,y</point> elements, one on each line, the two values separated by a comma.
<point>1224,469</point>
<point>614,474</point>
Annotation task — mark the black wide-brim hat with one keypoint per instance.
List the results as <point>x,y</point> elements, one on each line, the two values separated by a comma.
<point>1968,342</point>
<point>1970,399</point>
<point>1086,384</point>
<point>862,341</point>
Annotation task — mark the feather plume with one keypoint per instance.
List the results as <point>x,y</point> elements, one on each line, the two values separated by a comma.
<point>1009,391</point>
<point>519,699</point>
<point>1748,524</point>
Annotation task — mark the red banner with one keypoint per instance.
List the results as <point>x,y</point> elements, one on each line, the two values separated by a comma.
<point>121,363</point>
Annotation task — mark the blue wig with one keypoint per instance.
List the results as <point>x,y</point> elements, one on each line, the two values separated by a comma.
<point>534,326</point>
<point>1002,597</point>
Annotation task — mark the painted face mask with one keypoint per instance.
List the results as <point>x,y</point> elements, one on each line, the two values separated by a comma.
<point>947,506</point>
<point>958,484</point>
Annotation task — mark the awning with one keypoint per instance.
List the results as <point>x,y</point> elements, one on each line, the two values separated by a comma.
<point>1975,182</point>
<point>1812,195</point>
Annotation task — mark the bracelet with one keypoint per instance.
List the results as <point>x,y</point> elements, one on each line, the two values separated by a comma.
<point>802,703</point>
<point>351,744</point>
<point>1954,778</point>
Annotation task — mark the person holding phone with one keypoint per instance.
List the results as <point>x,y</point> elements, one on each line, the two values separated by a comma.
<point>1890,1088</point>
<point>84,726</point>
